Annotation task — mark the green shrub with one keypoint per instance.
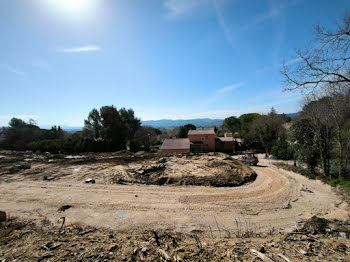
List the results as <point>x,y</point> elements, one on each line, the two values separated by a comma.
<point>342,182</point>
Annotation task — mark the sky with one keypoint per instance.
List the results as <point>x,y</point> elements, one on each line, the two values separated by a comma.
<point>166,59</point>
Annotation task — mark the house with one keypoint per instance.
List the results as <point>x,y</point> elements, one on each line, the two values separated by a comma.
<point>202,140</point>
<point>225,144</point>
<point>178,145</point>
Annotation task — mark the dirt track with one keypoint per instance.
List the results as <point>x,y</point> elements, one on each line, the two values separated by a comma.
<point>277,199</point>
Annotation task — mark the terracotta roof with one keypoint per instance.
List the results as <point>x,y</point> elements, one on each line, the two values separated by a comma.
<point>177,143</point>
<point>226,139</point>
<point>201,132</point>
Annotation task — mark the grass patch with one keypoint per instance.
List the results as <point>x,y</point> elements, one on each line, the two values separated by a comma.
<point>342,182</point>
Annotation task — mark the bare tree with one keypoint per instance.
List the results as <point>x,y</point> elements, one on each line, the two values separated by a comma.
<point>317,110</point>
<point>338,100</point>
<point>327,61</point>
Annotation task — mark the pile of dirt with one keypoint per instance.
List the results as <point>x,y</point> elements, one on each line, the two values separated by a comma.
<point>317,225</point>
<point>125,167</point>
<point>25,241</point>
<point>214,169</point>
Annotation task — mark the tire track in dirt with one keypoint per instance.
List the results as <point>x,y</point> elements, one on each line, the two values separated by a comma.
<point>276,199</point>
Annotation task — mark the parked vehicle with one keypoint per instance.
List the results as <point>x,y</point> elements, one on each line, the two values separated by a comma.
<point>249,158</point>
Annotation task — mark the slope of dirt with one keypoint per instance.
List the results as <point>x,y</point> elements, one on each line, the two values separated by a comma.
<point>24,241</point>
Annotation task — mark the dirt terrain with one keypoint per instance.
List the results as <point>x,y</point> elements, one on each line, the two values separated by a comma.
<point>277,200</point>
<point>317,240</point>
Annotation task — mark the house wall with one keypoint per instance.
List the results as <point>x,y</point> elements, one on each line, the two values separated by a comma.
<point>196,148</point>
<point>169,151</point>
<point>228,146</point>
<point>207,140</point>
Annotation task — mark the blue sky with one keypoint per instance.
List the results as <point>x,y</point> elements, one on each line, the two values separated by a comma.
<point>174,59</point>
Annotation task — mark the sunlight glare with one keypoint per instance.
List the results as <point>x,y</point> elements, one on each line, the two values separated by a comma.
<point>73,9</point>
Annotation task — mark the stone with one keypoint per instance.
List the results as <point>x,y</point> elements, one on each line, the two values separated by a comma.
<point>90,181</point>
<point>3,216</point>
<point>162,160</point>
<point>342,234</point>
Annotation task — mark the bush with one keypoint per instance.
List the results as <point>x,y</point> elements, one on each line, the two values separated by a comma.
<point>297,169</point>
<point>282,150</point>
<point>342,182</point>
<point>70,145</point>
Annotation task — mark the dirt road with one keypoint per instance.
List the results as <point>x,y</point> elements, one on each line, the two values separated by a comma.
<point>277,199</point>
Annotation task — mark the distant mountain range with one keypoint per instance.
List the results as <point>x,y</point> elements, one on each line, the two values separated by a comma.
<point>199,122</point>
<point>169,123</point>
<point>293,115</point>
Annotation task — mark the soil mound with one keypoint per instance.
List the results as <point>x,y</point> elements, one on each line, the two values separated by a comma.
<point>218,170</point>
<point>124,167</point>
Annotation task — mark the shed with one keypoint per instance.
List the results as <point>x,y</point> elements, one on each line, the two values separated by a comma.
<point>176,145</point>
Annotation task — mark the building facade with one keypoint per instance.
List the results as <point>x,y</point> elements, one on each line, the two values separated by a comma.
<point>204,139</point>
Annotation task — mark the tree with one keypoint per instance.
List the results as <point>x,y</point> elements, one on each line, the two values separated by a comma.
<point>317,111</point>
<point>246,121</point>
<point>93,124</point>
<point>190,127</point>
<point>144,138</point>
<point>338,100</point>
<point>112,130</point>
<point>130,122</point>
<point>115,127</point>
<point>19,134</point>
<point>183,130</point>
<point>325,62</point>
<point>267,129</point>
<point>303,139</point>
<point>231,124</point>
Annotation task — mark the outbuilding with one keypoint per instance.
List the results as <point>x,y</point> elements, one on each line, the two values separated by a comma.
<point>178,145</point>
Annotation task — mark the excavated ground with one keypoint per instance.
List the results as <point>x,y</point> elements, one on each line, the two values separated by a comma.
<point>213,169</point>
<point>127,196</point>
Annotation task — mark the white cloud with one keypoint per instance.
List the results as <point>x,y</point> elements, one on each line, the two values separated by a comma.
<point>227,89</point>
<point>222,92</point>
<point>80,49</point>
<point>11,69</point>
<point>178,8</point>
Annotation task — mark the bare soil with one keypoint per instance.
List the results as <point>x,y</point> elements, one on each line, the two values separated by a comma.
<point>277,200</point>
<point>200,206</point>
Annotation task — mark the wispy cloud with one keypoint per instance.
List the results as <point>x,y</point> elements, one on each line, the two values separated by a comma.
<point>223,24</point>
<point>222,92</point>
<point>292,61</point>
<point>80,49</point>
<point>233,35</point>
<point>178,8</point>
<point>39,64</point>
<point>227,89</point>
<point>11,69</point>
